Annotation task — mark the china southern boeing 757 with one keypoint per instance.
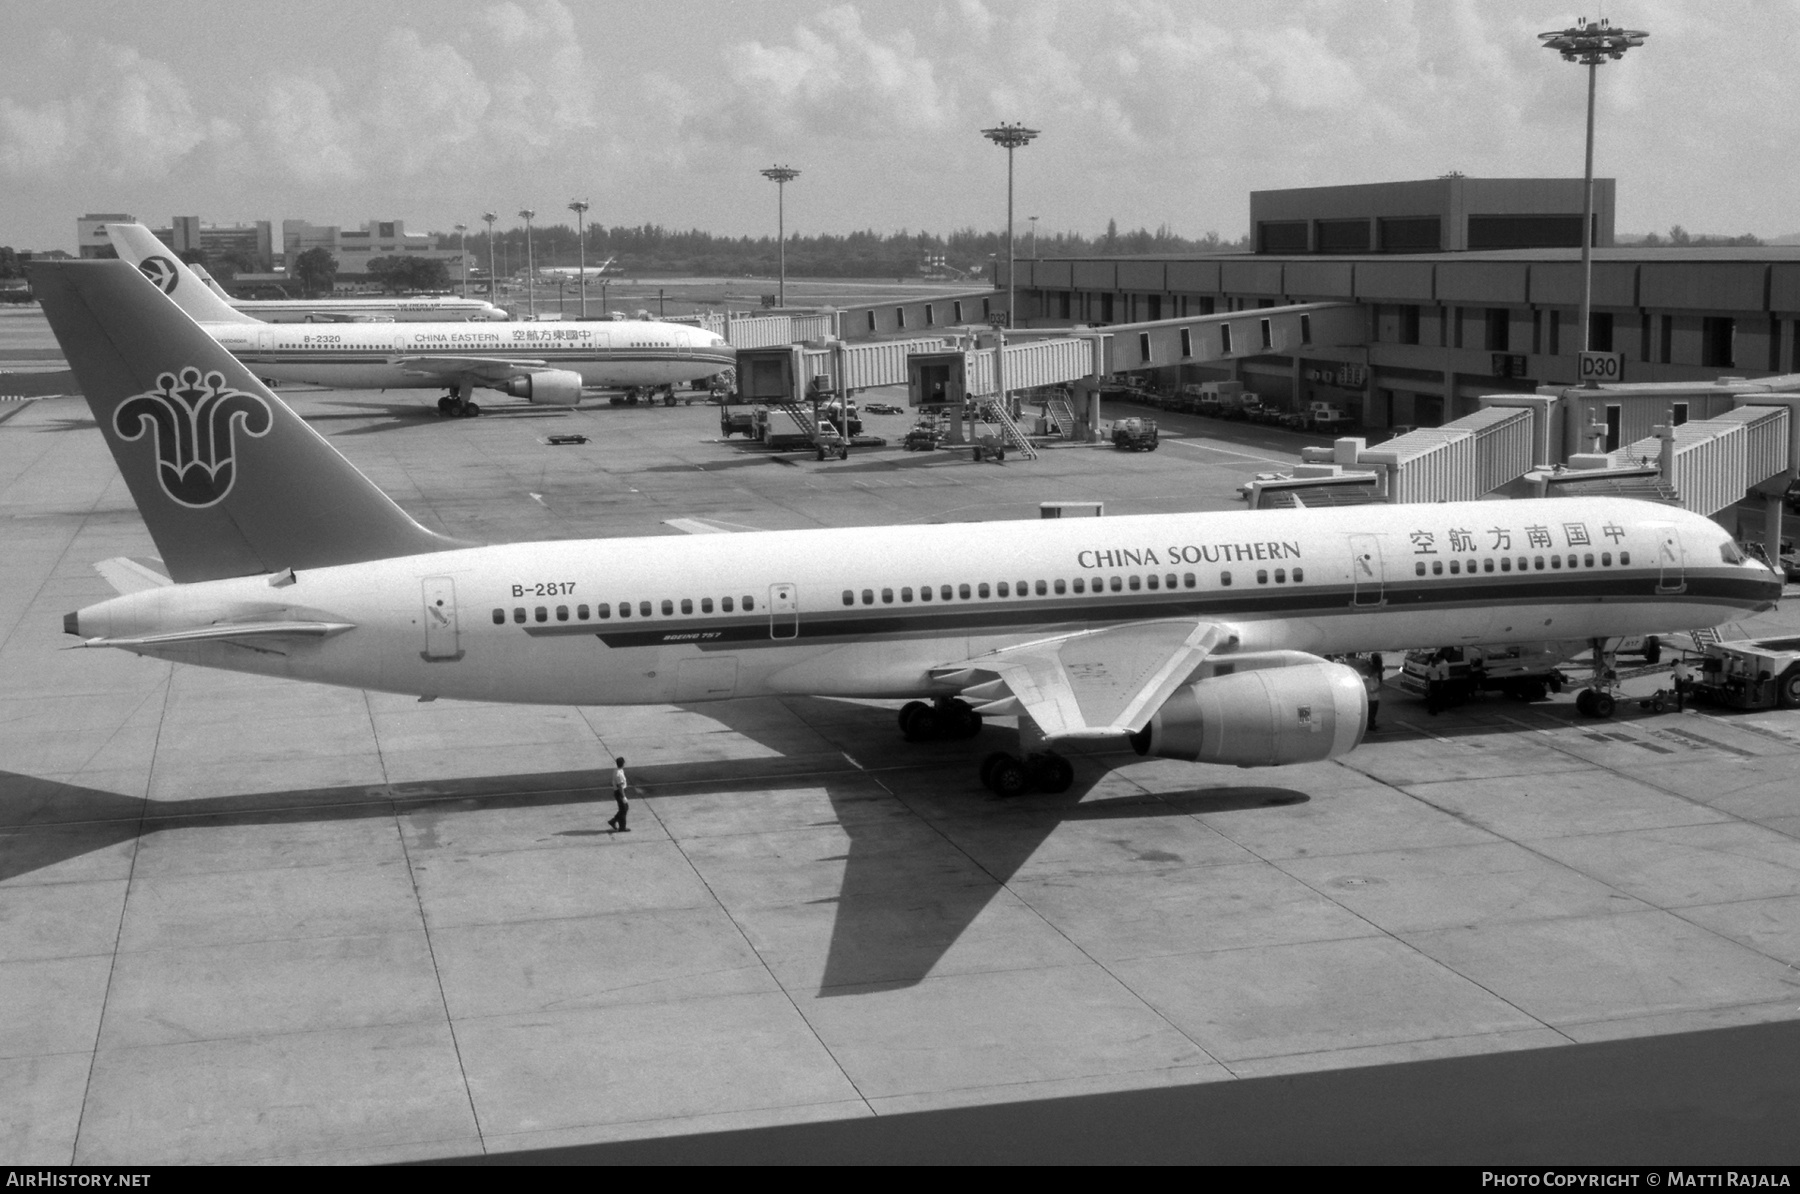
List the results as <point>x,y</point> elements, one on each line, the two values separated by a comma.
<point>1195,636</point>
<point>546,362</point>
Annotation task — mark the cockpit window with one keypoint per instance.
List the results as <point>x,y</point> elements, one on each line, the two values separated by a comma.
<point>1731,553</point>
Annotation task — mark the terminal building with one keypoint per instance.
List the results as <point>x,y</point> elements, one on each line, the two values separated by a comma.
<point>251,244</point>
<point>1466,287</point>
<point>354,249</point>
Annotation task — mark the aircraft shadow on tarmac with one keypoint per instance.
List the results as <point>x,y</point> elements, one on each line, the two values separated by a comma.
<point>407,416</point>
<point>899,908</point>
<point>898,911</point>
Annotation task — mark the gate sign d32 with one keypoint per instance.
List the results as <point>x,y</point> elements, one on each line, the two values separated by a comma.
<point>1599,367</point>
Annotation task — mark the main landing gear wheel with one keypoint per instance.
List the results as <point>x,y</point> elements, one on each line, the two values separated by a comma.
<point>453,406</point>
<point>1006,777</point>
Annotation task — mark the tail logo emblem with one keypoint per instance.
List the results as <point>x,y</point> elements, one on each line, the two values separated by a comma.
<point>161,271</point>
<point>194,422</point>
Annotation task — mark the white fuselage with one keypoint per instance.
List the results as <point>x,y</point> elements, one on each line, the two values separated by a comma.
<point>386,356</point>
<point>844,612</point>
<point>411,309</point>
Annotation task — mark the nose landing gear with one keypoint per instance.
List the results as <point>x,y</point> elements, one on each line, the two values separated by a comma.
<point>1006,775</point>
<point>944,718</point>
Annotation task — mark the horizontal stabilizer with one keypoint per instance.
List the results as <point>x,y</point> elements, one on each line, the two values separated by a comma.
<point>220,631</point>
<point>130,576</point>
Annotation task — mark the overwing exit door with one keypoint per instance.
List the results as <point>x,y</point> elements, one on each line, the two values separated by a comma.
<point>784,611</point>
<point>1367,580</point>
<point>441,636</point>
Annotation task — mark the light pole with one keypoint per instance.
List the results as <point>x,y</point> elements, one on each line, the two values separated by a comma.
<point>781,176</point>
<point>462,245</point>
<point>525,213</point>
<point>1009,137</point>
<point>1589,44</point>
<point>1033,220</point>
<point>579,207</point>
<point>489,217</point>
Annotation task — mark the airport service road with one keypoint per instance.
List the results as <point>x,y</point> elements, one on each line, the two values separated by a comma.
<point>241,919</point>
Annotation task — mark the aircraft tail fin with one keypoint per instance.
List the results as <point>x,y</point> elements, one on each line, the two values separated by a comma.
<point>138,245</point>
<point>212,283</point>
<point>229,480</point>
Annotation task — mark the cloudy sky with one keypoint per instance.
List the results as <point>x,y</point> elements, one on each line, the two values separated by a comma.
<point>341,111</point>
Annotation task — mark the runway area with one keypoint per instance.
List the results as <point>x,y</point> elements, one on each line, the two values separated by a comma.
<point>250,920</point>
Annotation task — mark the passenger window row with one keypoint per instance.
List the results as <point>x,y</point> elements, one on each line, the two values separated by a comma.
<point>604,612</point>
<point>906,595</point>
<point>1526,563</point>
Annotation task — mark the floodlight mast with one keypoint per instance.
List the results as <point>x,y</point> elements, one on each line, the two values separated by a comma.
<point>1010,137</point>
<point>1590,43</point>
<point>579,207</point>
<point>781,176</point>
<point>526,213</point>
<point>462,247</point>
<point>489,217</point>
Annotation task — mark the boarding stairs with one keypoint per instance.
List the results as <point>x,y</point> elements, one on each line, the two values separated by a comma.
<point>1061,416</point>
<point>1706,636</point>
<point>802,417</point>
<point>1011,434</point>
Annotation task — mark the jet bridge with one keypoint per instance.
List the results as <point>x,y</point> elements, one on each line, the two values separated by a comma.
<point>1232,335</point>
<point>1460,461</point>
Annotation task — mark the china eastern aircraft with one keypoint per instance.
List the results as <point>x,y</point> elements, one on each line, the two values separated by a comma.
<point>547,363</point>
<point>1193,636</point>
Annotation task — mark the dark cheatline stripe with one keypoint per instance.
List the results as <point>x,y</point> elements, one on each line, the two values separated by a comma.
<point>1000,614</point>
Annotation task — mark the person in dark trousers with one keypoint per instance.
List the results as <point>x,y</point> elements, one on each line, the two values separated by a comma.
<point>1436,673</point>
<point>1684,679</point>
<point>620,796</point>
<point>1372,683</point>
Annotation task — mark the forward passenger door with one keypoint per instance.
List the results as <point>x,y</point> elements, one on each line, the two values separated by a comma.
<point>1367,578</point>
<point>784,611</point>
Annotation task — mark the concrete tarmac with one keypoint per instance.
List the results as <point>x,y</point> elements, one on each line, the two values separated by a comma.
<point>248,920</point>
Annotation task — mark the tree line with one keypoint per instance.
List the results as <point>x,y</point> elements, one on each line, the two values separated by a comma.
<point>653,249</point>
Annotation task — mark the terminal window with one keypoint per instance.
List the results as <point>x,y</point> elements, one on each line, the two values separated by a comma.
<point>1498,327</point>
<point>1225,337</point>
<point>1600,331</point>
<point>1343,236</point>
<point>1525,232</point>
<point>1411,234</point>
<point>1716,341</point>
<point>1281,236</point>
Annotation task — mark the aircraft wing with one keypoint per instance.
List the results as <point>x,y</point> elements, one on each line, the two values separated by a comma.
<point>1090,684</point>
<point>449,367</point>
<point>707,526</point>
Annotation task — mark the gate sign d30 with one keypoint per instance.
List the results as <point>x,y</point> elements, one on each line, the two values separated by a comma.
<point>1602,366</point>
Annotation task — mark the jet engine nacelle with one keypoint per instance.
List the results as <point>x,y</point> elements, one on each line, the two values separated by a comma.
<point>1300,713</point>
<point>547,387</point>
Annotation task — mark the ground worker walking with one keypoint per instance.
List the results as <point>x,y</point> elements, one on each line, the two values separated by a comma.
<point>1684,676</point>
<point>620,796</point>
